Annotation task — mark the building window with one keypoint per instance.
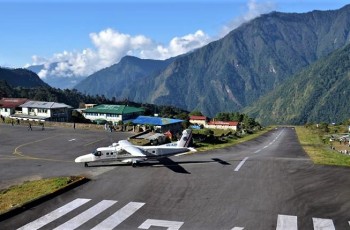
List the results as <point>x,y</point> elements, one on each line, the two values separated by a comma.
<point>42,110</point>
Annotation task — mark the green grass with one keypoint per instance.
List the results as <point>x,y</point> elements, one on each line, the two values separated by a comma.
<point>16,196</point>
<point>204,146</point>
<point>319,152</point>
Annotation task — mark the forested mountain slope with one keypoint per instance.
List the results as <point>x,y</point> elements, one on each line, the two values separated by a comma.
<point>319,93</point>
<point>21,77</point>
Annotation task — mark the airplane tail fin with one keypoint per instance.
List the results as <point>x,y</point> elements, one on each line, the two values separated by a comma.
<point>185,138</point>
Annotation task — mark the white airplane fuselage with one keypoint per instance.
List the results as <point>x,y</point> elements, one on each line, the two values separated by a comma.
<point>118,154</point>
<point>126,152</point>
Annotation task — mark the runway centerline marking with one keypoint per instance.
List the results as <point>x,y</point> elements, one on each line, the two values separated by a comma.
<point>269,144</point>
<point>241,164</point>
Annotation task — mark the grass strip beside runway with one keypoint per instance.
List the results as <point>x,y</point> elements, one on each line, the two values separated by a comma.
<point>318,151</point>
<point>229,141</point>
<point>18,195</point>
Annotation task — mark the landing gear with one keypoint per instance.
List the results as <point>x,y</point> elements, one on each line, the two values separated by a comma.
<point>134,163</point>
<point>86,164</point>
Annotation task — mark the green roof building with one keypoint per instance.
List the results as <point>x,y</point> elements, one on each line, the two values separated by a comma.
<point>112,113</point>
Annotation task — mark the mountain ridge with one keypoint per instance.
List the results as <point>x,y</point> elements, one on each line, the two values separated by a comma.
<point>21,77</point>
<point>319,93</point>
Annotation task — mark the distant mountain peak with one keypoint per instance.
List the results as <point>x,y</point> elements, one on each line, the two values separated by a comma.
<point>233,72</point>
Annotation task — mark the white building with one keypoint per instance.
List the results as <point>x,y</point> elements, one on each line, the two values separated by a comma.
<point>9,106</point>
<point>222,125</point>
<point>44,111</point>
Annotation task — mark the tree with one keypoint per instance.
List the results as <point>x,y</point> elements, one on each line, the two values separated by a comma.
<point>196,113</point>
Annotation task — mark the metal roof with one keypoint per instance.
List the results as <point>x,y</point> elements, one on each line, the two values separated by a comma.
<point>226,123</point>
<point>44,105</point>
<point>12,102</point>
<point>113,109</point>
<point>158,121</point>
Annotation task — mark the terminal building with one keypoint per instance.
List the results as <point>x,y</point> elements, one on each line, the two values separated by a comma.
<point>160,124</point>
<point>43,111</point>
<point>112,113</point>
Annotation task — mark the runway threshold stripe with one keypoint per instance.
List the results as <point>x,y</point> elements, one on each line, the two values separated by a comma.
<point>323,224</point>
<point>44,220</point>
<point>119,216</point>
<point>285,222</point>
<point>170,225</point>
<point>241,164</point>
<point>87,215</point>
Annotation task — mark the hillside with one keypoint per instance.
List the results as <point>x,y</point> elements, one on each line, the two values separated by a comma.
<point>233,72</point>
<point>123,79</point>
<point>319,93</point>
<point>21,77</point>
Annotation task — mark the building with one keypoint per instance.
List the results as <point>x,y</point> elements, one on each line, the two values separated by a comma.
<point>44,111</point>
<point>9,106</point>
<point>112,113</point>
<point>160,124</point>
<point>222,125</point>
<point>198,120</point>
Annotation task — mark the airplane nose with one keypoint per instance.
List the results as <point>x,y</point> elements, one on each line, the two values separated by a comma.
<point>78,159</point>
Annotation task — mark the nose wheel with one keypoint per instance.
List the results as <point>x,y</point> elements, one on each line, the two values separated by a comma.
<point>134,163</point>
<point>86,164</point>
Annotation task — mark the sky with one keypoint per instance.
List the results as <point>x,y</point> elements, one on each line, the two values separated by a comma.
<point>84,36</point>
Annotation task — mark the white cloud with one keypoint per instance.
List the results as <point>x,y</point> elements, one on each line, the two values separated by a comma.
<point>254,9</point>
<point>111,45</point>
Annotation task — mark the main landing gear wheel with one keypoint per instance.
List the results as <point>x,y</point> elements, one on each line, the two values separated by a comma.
<point>86,164</point>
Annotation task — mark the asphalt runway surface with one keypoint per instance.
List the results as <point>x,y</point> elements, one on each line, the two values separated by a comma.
<point>266,183</point>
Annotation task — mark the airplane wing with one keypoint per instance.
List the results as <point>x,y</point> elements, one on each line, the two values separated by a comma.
<point>124,143</point>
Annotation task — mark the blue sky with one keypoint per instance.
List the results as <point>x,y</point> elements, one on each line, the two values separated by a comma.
<point>87,35</point>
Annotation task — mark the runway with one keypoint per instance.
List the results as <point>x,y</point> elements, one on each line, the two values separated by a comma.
<point>26,155</point>
<point>266,183</point>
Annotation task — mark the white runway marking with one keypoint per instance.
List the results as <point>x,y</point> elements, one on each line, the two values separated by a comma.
<point>71,140</point>
<point>87,215</point>
<point>237,228</point>
<point>285,222</point>
<point>119,216</point>
<point>240,164</point>
<point>269,144</point>
<point>323,224</point>
<point>54,214</point>
<point>170,225</point>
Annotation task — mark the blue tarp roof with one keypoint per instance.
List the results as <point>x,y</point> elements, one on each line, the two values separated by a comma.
<point>159,121</point>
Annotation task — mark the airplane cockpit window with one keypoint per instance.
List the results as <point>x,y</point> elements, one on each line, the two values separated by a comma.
<point>97,153</point>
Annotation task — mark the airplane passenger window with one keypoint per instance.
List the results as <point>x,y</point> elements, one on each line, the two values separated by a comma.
<point>107,153</point>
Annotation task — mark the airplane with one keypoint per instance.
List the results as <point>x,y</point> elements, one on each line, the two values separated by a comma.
<point>125,152</point>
